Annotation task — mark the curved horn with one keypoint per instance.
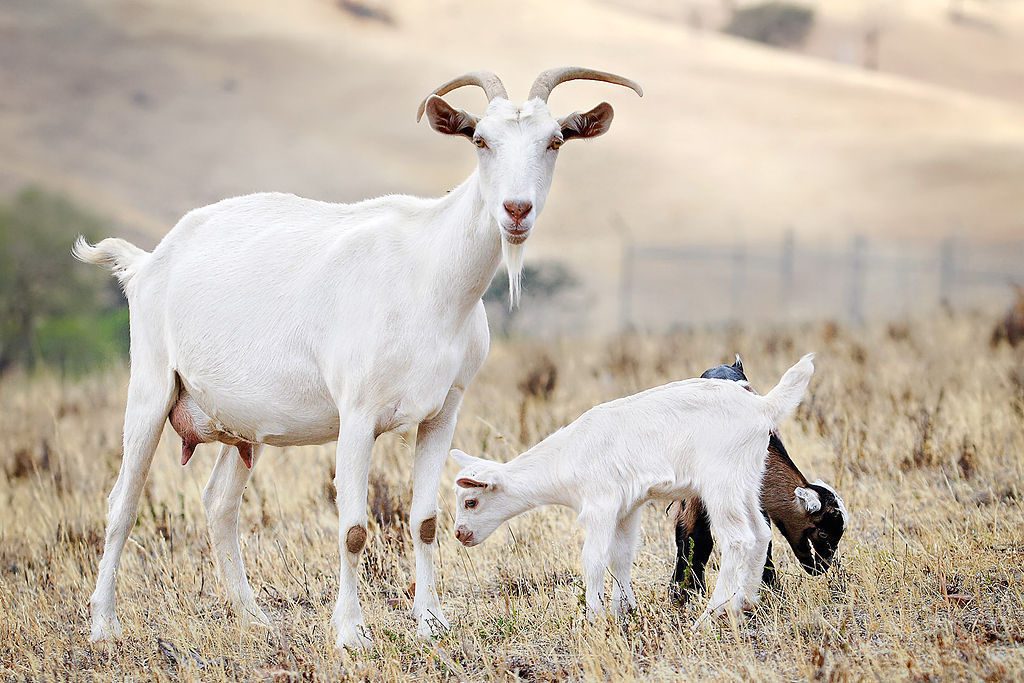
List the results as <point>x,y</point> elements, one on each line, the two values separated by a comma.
<point>485,79</point>
<point>547,80</point>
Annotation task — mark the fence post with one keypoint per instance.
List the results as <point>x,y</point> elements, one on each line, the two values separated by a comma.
<point>947,270</point>
<point>855,300</point>
<point>786,266</point>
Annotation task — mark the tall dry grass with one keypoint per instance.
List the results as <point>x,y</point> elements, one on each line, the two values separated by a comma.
<point>920,426</point>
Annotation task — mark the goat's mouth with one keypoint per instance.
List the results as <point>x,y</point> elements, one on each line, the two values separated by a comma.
<point>817,563</point>
<point>515,234</point>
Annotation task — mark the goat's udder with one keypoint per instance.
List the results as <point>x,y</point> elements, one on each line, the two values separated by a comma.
<point>182,419</point>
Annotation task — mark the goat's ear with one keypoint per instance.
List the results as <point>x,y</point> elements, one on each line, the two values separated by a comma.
<point>808,499</point>
<point>468,483</point>
<point>444,118</point>
<point>587,124</point>
<point>462,459</point>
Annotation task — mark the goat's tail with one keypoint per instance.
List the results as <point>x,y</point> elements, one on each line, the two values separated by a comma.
<point>782,401</point>
<point>123,258</point>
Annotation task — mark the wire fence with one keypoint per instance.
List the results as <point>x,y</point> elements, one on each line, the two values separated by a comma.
<point>665,286</point>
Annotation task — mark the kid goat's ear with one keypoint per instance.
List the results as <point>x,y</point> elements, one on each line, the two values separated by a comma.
<point>467,483</point>
<point>808,499</point>
<point>464,460</point>
<point>461,458</point>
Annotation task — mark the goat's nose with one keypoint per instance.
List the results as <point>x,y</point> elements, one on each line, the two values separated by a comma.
<point>463,535</point>
<point>518,209</point>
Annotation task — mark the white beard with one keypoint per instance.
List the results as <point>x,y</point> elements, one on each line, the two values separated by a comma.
<point>513,255</point>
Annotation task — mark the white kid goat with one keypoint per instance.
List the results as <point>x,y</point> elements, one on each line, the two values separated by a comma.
<point>698,437</point>
<point>272,319</point>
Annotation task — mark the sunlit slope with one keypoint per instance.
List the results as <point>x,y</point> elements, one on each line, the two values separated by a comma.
<point>148,109</point>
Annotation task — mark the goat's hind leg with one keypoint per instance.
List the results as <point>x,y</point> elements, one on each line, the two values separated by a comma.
<point>736,538</point>
<point>151,391</point>
<point>222,498</point>
<point>759,557</point>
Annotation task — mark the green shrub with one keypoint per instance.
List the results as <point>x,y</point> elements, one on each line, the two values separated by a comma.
<point>781,24</point>
<point>77,343</point>
<point>53,309</point>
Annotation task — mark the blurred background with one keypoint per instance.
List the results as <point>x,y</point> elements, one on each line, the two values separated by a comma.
<point>846,160</point>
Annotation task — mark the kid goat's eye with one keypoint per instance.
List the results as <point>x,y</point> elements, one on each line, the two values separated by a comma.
<point>555,144</point>
<point>471,503</point>
<point>480,142</point>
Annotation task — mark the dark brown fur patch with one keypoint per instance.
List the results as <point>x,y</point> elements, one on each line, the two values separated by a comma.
<point>781,478</point>
<point>428,530</point>
<point>355,539</point>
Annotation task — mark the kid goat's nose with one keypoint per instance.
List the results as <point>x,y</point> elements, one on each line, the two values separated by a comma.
<point>518,209</point>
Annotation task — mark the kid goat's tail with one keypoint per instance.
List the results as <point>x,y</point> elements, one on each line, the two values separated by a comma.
<point>783,400</point>
<point>123,258</point>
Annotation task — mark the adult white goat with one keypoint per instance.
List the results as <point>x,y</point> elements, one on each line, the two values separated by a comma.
<point>288,321</point>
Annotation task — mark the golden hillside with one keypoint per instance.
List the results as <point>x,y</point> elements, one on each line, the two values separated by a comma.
<point>147,109</point>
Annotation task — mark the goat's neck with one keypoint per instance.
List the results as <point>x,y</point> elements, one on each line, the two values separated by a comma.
<point>466,245</point>
<point>781,478</point>
<point>534,480</point>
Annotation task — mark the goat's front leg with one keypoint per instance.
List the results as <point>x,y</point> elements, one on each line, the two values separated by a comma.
<point>221,499</point>
<point>694,544</point>
<point>769,577</point>
<point>355,446</point>
<point>623,549</point>
<point>601,527</point>
<point>433,440</point>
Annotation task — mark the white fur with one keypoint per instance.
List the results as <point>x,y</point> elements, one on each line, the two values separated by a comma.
<point>291,321</point>
<point>703,437</point>
<point>808,499</point>
<point>839,501</point>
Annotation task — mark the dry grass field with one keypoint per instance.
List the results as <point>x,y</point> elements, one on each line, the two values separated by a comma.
<point>921,427</point>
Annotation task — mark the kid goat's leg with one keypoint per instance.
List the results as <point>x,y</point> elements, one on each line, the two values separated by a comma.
<point>736,538</point>
<point>769,577</point>
<point>620,564</point>
<point>222,498</point>
<point>151,391</point>
<point>352,469</point>
<point>693,549</point>
<point>601,527</point>
<point>433,441</point>
<point>756,566</point>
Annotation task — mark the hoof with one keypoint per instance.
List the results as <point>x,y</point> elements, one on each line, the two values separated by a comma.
<point>679,594</point>
<point>256,618</point>
<point>431,623</point>
<point>105,628</point>
<point>354,638</point>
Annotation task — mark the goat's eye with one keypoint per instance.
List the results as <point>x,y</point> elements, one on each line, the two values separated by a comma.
<point>471,503</point>
<point>555,144</point>
<point>480,142</point>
